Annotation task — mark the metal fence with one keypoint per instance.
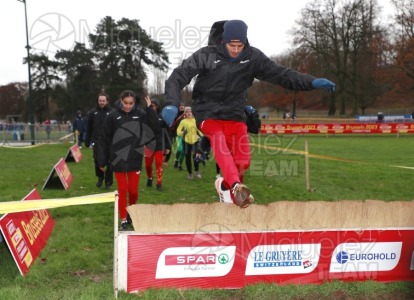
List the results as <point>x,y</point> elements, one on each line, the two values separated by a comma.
<point>20,133</point>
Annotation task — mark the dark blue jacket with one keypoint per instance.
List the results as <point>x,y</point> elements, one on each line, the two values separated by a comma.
<point>80,124</point>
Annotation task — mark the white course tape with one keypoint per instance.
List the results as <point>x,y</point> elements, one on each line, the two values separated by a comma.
<point>299,152</point>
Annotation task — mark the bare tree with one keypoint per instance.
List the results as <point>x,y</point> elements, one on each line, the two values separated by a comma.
<point>340,34</point>
<point>158,82</point>
<point>404,17</point>
<point>363,52</point>
<point>404,45</point>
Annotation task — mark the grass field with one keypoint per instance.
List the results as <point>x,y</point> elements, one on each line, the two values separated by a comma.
<point>77,262</point>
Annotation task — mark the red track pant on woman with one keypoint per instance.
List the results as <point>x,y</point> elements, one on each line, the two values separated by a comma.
<point>158,155</point>
<point>230,144</point>
<point>127,185</point>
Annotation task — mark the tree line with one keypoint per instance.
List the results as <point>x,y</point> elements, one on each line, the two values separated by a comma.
<point>372,64</point>
<point>346,41</point>
<point>115,61</point>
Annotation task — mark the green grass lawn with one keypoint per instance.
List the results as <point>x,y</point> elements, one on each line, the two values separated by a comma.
<point>77,262</point>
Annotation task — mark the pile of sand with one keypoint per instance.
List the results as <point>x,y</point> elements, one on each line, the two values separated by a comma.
<point>283,215</point>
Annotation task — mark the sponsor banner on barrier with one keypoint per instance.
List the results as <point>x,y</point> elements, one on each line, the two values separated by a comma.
<point>74,154</point>
<point>26,233</point>
<point>362,257</point>
<point>234,260</point>
<point>184,260</point>
<point>187,262</point>
<point>283,259</point>
<point>294,128</point>
<point>64,176</point>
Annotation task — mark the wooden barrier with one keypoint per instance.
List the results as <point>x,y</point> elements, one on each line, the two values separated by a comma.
<point>217,245</point>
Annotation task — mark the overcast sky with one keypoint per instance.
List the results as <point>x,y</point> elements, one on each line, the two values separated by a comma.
<point>183,27</point>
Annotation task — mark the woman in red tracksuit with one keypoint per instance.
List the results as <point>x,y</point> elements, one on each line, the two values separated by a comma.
<point>126,130</point>
<point>157,149</point>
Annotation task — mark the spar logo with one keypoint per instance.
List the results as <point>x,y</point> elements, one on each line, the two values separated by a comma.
<point>196,259</point>
<point>193,259</point>
<point>363,257</point>
<point>283,259</point>
<point>223,259</point>
<point>190,262</point>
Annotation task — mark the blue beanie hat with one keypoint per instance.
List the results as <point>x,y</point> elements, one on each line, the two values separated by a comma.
<point>235,30</point>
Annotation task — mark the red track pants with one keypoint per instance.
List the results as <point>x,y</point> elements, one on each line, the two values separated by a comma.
<point>158,156</point>
<point>230,144</point>
<point>127,184</point>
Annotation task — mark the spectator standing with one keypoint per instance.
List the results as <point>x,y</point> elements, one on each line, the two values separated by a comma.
<point>293,117</point>
<point>380,117</point>
<point>190,134</point>
<point>96,118</point>
<point>79,128</point>
<point>48,128</point>
<point>68,126</point>
<point>157,149</point>
<point>178,140</point>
